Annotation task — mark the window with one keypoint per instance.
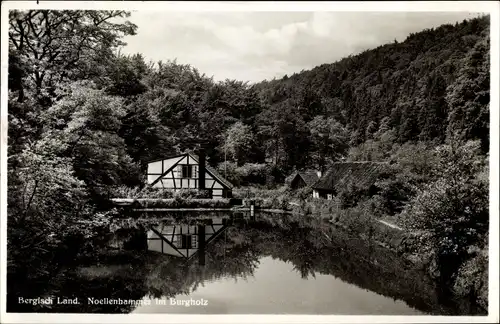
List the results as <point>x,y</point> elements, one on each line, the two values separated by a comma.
<point>189,241</point>
<point>186,241</point>
<point>187,171</point>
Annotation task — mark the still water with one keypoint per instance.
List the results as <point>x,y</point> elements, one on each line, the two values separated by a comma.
<point>271,264</point>
<point>269,283</point>
<point>277,288</point>
<point>201,263</point>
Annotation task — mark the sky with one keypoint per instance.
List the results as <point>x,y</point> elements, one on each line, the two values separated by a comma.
<point>253,46</point>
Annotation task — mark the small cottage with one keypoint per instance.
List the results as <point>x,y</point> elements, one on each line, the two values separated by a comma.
<point>342,174</point>
<point>188,171</point>
<point>304,179</point>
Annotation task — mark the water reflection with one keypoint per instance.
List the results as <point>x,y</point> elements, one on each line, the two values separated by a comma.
<point>184,240</point>
<point>249,264</point>
<point>232,247</point>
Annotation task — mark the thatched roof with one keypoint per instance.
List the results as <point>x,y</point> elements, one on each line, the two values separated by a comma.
<point>341,174</point>
<point>310,177</point>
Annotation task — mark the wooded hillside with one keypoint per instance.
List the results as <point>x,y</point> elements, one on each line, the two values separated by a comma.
<point>433,84</point>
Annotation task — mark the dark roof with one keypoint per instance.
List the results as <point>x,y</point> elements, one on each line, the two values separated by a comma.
<point>310,177</point>
<point>340,174</point>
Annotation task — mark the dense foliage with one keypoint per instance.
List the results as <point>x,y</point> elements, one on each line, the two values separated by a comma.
<point>84,120</point>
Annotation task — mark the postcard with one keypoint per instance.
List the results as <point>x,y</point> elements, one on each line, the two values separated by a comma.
<point>249,162</point>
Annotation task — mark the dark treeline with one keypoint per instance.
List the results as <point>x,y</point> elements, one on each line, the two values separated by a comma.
<point>84,120</point>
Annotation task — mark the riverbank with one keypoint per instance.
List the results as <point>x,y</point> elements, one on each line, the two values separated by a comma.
<point>366,221</point>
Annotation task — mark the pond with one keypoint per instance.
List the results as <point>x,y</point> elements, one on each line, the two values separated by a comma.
<point>228,263</point>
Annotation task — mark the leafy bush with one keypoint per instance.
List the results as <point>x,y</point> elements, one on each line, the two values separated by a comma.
<point>395,192</point>
<point>452,211</point>
<point>146,192</point>
<point>228,170</point>
<point>472,279</point>
<point>302,193</point>
<point>254,192</point>
<point>159,193</point>
<point>351,195</point>
<point>251,174</point>
<point>179,202</point>
<point>192,194</point>
<point>358,219</point>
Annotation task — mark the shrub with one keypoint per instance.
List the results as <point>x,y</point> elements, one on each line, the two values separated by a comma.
<point>151,192</point>
<point>471,275</point>
<point>302,193</point>
<point>179,202</point>
<point>453,211</point>
<point>191,194</point>
<point>228,170</point>
<point>251,174</point>
<point>146,192</point>
<point>351,195</point>
<point>254,192</point>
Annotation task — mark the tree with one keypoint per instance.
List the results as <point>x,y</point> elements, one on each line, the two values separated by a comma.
<point>451,213</point>
<point>44,200</point>
<point>469,97</point>
<point>408,129</point>
<point>285,134</point>
<point>145,137</point>
<point>126,76</point>
<point>88,122</point>
<point>434,113</point>
<point>60,45</point>
<point>330,140</point>
<point>239,142</point>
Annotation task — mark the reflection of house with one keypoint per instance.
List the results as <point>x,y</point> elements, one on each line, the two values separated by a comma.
<point>184,240</point>
<point>184,171</point>
<point>363,175</point>
<point>303,179</point>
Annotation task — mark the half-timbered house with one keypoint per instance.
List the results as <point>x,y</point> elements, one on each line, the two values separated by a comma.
<point>188,171</point>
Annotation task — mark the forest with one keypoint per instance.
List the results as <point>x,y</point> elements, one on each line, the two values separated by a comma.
<point>84,119</point>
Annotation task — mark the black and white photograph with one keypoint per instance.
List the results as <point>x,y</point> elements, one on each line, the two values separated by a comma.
<point>169,159</point>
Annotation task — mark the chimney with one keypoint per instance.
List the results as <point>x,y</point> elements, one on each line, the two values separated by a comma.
<point>319,173</point>
<point>201,169</point>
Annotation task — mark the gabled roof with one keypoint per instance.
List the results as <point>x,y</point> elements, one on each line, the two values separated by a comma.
<point>211,170</point>
<point>341,174</point>
<point>310,177</point>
